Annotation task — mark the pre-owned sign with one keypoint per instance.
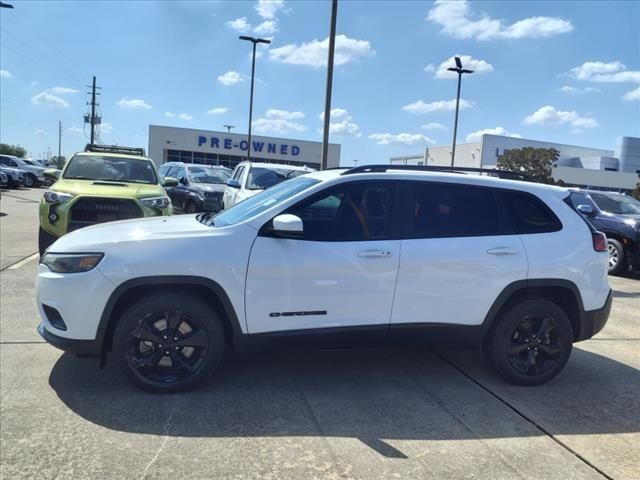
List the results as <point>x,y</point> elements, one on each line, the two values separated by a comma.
<point>221,143</point>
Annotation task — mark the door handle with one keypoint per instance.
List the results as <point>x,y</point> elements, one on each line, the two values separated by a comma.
<point>374,253</point>
<point>500,251</point>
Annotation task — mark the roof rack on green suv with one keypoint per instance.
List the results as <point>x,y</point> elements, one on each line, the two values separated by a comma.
<point>101,184</point>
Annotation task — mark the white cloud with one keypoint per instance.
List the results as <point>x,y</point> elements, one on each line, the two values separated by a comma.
<point>40,132</point>
<point>6,74</point>
<point>578,90</point>
<point>185,117</point>
<point>605,72</point>
<point>402,139</point>
<point>230,78</point>
<point>611,72</point>
<point>268,27</point>
<point>62,90</point>
<point>632,95</point>
<point>75,129</point>
<point>133,104</point>
<point>342,126</point>
<point>468,62</point>
<point>549,115</point>
<point>433,126</point>
<point>458,21</point>
<point>430,68</point>
<point>218,111</point>
<point>277,125</point>
<point>268,8</point>
<point>439,106</point>
<point>45,98</point>
<point>240,24</point>
<point>314,53</point>
<point>477,135</point>
<point>169,114</point>
<point>284,114</point>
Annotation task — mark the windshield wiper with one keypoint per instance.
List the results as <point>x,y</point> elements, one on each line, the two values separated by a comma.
<point>206,218</point>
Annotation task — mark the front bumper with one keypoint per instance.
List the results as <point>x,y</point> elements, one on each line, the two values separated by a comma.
<point>592,321</point>
<point>83,348</point>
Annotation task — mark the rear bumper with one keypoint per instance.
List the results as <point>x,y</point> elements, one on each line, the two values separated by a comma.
<point>592,321</point>
<point>83,348</point>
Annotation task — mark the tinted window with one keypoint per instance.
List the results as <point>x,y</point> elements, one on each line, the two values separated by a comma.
<point>579,199</point>
<point>529,214</point>
<point>261,178</point>
<point>441,210</point>
<point>8,162</point>
<point>617,204</point>
<point>358,211</point>
<point>238,173</point>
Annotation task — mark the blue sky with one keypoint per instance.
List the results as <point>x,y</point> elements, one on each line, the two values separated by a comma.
<point>567,72</point>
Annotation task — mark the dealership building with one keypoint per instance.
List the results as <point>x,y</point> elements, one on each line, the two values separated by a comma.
<point>576,166</point>
<point>171,144</point>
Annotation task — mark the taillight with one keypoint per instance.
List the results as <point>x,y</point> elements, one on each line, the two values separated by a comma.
<point>599,241</point>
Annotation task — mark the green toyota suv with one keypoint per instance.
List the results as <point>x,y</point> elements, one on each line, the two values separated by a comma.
<point>102,184</point>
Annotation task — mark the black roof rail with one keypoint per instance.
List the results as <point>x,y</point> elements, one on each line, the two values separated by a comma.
<point>92,147</point>
<point>505,174</point>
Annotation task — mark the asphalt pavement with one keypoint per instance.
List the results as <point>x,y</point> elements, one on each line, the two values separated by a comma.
<point>364,414</point>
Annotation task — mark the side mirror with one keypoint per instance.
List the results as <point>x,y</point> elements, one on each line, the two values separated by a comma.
<point>586,209</point>
<point>51,174</point>
<point>183,181</point>
<point>169,182</point>
<point>233,183</point>
<point>287,224</point>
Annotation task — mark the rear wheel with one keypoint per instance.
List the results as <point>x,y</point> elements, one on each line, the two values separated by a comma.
<point>617,260</point>
<point>531,343</point>
<point>168,342</point>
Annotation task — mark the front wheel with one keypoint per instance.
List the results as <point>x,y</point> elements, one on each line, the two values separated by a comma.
<point>30,180</point>
<point>168,342</point>
<point>617,259</point>
<point>531,343</point>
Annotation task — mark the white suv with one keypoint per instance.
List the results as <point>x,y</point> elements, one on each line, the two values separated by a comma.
<point>366,256</point>
<point>251,178</point>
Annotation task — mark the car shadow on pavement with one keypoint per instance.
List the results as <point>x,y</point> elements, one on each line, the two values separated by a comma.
<point>369,394</point>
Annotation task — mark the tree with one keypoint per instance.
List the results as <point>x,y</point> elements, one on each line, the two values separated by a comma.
<point>636,193</point>
<point>536,163</point>
<point>15,150</point>
<point>58,162</point>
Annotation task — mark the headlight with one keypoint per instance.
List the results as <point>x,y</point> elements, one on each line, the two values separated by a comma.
<point>56,197</point>
<point>71,262</point>
<point>156,202</point>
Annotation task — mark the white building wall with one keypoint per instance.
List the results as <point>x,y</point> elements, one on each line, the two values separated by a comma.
<point>467,155</point>
<point>162,139</point>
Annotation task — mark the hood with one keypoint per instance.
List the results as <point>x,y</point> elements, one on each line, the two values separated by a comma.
<point>107,188</point>
<point>208,187</point>
<point>99,237</point>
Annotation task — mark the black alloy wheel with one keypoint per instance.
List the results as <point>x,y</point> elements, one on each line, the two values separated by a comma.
<point>531,343</point>
<point>29,180</point>
<point>168,342</point>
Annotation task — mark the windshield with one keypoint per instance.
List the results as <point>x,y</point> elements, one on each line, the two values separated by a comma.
<point>259,203</point>
<point>616,204</point>
<point>261,178</point>
<point>208,175</point>
<point>29,162</point>
<point>117,169</point>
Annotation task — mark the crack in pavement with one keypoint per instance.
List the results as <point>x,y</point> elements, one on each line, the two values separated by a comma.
<point>164,441</point>
<point>523,416</point>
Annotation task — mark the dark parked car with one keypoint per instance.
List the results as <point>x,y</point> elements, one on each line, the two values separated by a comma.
<point>618,216</point>
<point>200,187</point>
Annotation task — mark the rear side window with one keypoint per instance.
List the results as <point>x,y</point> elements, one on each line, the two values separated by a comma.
<point>448,210</point>
<point>529,214</point>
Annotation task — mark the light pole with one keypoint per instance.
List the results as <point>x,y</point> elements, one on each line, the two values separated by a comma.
<point>229,127</point>
<point>460,71</point>
<point>254,41</point>
<point>327,98</point>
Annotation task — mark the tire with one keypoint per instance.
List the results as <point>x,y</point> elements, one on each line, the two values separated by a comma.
<point>30,180</point>
<point>45,240</point>
<point>617,257</point>
<point>168,342</point>
<point>531,343</point>
<point>190,207</point>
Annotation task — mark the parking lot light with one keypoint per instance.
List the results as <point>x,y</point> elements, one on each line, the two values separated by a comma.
<point>460,71</point>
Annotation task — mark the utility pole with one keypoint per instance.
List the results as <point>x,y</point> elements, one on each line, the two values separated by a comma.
<point>327,98</point>
<point>460,71</point>
<point>59,138</point>
<point>93,120</point>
